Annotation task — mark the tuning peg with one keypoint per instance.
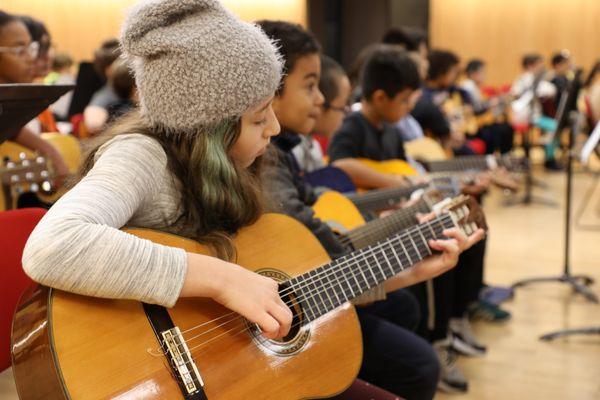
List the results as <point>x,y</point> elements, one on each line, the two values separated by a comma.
<point>459,213</point>
<point>29,176</point>
<point>25,163</point>
<point>14,179</point>
<point>10,164</point>
<point>40,160</point>
<point>466,210</point>
<point>467,229</point>
<point>44,174</point>
<point>34,187</point>
<point>22,156</point>
<point>46,186</point>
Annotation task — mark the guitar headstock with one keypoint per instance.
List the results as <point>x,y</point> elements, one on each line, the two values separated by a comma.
<point>25,172</point>
<point>465,212</point>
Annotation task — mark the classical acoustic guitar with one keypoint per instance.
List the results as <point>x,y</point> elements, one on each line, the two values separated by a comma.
<point>68,346</point>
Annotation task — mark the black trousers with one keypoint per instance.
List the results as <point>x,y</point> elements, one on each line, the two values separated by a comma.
<point>453,291</point>
<point>395,358</point>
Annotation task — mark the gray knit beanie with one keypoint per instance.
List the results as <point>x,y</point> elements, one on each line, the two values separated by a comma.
<point>197,64</point>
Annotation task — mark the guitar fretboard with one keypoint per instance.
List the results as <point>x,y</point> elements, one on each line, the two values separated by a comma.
<point>381,228</point>
<point>382,198</point>
<point>329,286</point>
<point>463,163</point>
<point>477,163</point>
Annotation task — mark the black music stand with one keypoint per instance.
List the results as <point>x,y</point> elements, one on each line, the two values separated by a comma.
<point>568,116</point>
<point>20,103</point>
<point>591,145</point>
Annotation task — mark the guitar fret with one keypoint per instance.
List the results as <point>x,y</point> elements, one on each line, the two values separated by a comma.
<point>368,267</point>
<point>392,272</point>
<point>406,252</point>
<point>341,292</point>
<point>344,275</point>
<point>427,249</point>
<point>332,287</point>
<point>378,265</point>
<point>398,259</point>
<point>415,246</point>
<point>314,292</point>
<point>326,288</point>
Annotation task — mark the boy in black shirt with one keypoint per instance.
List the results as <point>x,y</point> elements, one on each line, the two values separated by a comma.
<point>389,79</point>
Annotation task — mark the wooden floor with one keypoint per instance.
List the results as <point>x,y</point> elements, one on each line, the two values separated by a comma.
<point>527,241</point>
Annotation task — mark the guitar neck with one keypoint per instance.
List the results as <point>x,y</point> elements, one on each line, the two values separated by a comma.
<point>329,286</point>
<point>462,163</point>
<point>380,199</point>
<point>381,228</point>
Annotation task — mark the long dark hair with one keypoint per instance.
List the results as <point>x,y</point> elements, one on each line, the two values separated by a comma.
<point>218,196</point>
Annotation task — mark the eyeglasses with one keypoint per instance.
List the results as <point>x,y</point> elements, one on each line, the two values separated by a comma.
<point>32,50</point>
<point>345,109</point>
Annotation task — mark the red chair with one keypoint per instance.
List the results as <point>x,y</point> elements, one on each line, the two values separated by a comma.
<point>15,228</point>
<point>361,390</point>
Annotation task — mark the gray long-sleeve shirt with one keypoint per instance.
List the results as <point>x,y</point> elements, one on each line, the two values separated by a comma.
<point>78,246</point>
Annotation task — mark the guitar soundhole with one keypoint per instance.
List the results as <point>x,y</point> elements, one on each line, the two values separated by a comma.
<point>299,333</point>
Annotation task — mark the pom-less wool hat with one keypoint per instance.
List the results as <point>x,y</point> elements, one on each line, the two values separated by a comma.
<point>197,64</point>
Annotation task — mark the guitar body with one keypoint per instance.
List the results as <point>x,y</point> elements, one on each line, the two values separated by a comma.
<point>67,145</point>
<point>67,346</point>
<point>393,167</point>
<point>338,211</point>
<point>425,149</point>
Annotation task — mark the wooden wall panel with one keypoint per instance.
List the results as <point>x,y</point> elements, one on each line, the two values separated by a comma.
<point>501,31</point>
<point>78,26</point>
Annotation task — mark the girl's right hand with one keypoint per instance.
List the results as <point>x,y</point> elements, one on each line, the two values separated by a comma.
<point>251,295</point>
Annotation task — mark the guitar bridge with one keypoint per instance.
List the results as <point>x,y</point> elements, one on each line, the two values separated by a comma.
<point>181,359</point>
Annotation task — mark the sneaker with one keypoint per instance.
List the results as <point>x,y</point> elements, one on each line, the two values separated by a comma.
<point>463,340</point>
<point>452,379</point>
<point>487,311</point>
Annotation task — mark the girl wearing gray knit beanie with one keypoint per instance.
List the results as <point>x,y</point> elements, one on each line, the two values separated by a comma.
<point>186,162</point>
